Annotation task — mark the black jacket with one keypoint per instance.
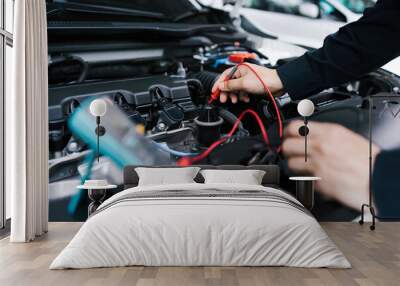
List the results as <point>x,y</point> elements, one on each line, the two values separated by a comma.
<point>356,49</point>
<point>386,184</point>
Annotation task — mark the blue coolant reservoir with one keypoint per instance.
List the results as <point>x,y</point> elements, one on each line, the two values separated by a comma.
<point>121,143</point>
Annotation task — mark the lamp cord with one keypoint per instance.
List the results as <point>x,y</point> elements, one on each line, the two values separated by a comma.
<point>98,144</point>
<point>305,139</point>
<point>98,138</point>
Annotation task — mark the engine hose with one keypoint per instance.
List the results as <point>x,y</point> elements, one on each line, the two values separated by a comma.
<point>63,59</point>
<point>206,78</point>
<point>85,71</point>
<point>195,83</point>
<point>232,119</point>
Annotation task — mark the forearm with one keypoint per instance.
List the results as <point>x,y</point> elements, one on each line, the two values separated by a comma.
<point>353,51</point>
<point>386,184</point>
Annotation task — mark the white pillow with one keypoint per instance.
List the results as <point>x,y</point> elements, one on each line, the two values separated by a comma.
<point>166,176</point>
<point>248,177</point>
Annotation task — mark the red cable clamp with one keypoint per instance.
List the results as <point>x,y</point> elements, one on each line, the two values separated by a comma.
<point>239,58</point>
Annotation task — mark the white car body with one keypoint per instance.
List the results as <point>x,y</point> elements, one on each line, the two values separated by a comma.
<point>299,30</point>
<point>292,29</point>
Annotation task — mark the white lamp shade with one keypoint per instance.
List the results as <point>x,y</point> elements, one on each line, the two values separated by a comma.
<point>305,108</point>
<point>98,107</point>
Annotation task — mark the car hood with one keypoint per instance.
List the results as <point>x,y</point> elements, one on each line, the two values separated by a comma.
<point>91,8</point>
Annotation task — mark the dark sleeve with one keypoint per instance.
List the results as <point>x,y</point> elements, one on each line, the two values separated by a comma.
<point>386,184</point>
<point>356,49</point>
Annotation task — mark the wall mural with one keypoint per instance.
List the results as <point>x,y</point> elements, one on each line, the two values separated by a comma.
<point>156,83</point>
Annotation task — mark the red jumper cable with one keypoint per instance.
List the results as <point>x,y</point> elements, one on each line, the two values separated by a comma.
<point>185,161</point>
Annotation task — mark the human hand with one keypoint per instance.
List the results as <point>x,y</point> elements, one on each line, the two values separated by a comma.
<point>245,81</point>
<point>337,155</point>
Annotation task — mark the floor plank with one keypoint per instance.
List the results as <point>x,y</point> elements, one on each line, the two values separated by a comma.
<point>375,257</point>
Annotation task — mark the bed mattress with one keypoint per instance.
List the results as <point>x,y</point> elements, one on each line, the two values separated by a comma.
<point>201,225</point>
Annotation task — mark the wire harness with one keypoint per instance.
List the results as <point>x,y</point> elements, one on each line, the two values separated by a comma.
<point>186,161</point>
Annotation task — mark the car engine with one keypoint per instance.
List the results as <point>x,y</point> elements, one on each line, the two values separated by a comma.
<point>167,101</point>
<point>163,89</point>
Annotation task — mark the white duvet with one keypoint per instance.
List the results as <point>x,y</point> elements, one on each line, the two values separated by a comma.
<point>188,231</point>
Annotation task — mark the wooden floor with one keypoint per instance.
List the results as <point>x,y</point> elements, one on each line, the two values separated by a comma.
<point>375,257</point>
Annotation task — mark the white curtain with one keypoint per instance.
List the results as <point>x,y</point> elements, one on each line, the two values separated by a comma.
<point>27,124</point>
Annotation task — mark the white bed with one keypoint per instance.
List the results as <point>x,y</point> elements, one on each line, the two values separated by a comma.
<point>201,224</point>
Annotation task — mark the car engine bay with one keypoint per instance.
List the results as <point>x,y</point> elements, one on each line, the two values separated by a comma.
<point>166,103</point>
<point>163,87</point>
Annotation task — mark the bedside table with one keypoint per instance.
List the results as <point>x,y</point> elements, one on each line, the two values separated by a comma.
<point>96,195</point>
<point>305,190</point>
